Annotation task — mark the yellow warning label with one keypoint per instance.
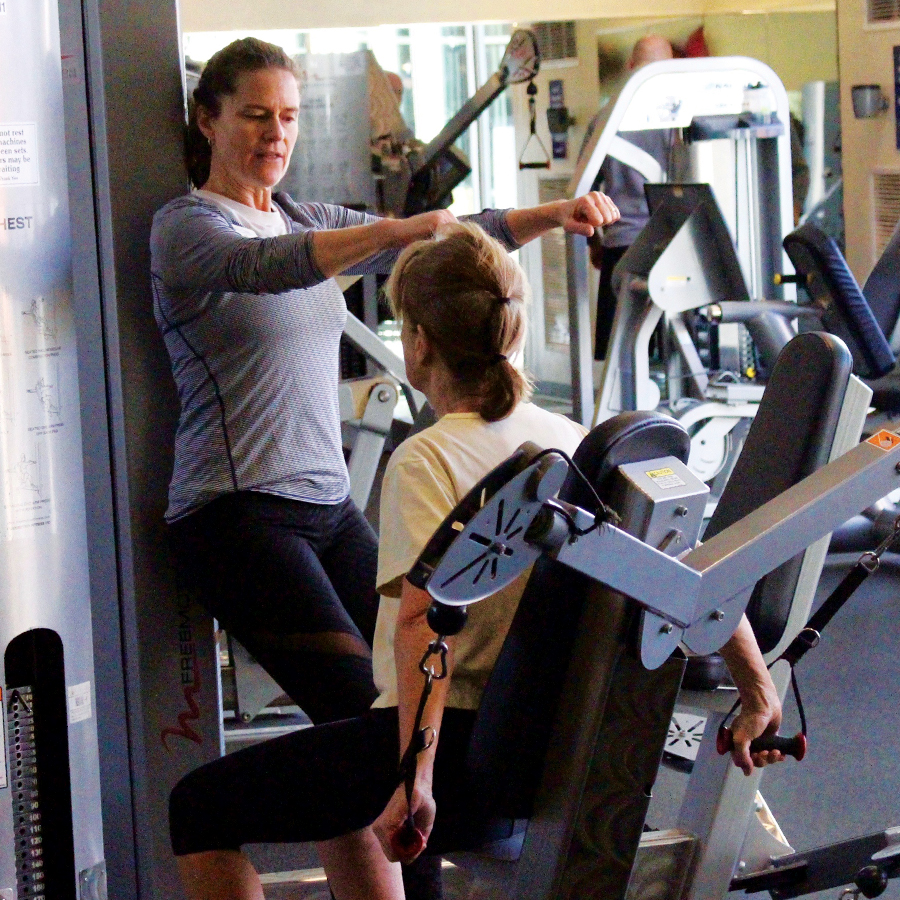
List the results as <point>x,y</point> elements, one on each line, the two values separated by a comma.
<point>665,479</point>
<point>884,440</point>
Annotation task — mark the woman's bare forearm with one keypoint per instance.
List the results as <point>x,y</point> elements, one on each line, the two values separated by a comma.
<point>579,216</point>
<point>748,668</point>
<point>412,637</point>
<point>531,223</point>
<point>339,249</point>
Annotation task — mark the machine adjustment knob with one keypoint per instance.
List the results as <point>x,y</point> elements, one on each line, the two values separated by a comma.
<point>872,881</point>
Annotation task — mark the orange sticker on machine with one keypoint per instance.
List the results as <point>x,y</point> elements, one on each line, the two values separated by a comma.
<point>884,440</point>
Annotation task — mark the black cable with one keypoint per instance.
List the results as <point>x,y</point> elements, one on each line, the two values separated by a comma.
<point>603,513</point>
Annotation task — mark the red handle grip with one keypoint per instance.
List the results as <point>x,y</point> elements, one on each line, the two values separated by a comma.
<point>407,841</point>
<point>790,746</point>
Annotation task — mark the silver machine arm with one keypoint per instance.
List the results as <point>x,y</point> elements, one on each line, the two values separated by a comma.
<point>439,166</point>
<point>688,592</point>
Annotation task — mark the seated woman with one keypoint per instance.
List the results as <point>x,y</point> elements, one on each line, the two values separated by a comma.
<point>462,303</point>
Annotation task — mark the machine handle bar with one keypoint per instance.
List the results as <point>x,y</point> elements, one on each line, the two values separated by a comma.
<point>790,746</point>
<point>407,840</point>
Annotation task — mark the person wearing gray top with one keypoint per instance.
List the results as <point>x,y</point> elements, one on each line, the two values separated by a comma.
<point>259,518</point>
<point>626,187</point>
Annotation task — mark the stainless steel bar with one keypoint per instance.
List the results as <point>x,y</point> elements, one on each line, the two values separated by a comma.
<point>580,329</point>
<point>661,583</point>
<point>739,556</point>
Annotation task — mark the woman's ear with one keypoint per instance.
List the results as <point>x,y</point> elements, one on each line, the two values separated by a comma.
<point>204,122</point>
<point>421,346</point>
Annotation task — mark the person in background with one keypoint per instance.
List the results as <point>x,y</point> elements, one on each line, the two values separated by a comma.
<point>260,522</point>
<point>625,186</point>
<point>396,83</point>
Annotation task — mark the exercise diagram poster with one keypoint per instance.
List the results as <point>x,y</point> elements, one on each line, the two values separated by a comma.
<point>39,436</point>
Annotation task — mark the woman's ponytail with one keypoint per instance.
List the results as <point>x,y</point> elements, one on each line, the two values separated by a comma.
<point>468,296</point>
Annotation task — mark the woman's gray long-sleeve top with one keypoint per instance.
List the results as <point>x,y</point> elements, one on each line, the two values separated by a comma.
<point>253,331</point>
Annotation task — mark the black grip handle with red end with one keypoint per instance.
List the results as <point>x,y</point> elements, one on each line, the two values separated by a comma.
<point>407,841</point>
<point>790,746</point>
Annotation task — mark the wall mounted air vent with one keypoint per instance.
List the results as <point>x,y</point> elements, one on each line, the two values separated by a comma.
<point>879,11</point>
<point>557,40</point>
<point>886,189</point>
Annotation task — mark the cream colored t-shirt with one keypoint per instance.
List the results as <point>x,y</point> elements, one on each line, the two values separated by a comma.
<point>427,475</point>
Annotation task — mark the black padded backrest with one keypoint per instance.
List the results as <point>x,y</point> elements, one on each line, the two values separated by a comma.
<point>517,713</point>
<point>882,287</point>
<point>790,438</point>
<point>845,311</point>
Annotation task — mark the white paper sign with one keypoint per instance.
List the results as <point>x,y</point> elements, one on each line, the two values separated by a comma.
<point>18,153</point>
<point>79,702</point>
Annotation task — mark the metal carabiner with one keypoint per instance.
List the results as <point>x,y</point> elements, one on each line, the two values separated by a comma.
<point>884,545</point>
<point>435,648</point>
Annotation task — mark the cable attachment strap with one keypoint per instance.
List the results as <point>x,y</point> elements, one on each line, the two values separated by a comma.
<point>409,840</point>
<point>868,563</point>
<point>603,513</point>
<point>808,638</point>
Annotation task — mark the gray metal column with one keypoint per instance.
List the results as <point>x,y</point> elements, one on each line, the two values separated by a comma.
<point>136,109</point>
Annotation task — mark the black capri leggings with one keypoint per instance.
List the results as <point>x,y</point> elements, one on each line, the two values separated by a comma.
<point>319,783</point>
<point>294,582</point>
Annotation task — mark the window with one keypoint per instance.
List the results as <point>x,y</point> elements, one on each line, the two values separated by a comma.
<point>441,66</point>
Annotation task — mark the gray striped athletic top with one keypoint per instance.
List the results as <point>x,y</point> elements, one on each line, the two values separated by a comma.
<point>253,331</point>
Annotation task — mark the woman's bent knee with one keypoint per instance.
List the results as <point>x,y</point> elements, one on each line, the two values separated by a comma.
<point>193,826</point>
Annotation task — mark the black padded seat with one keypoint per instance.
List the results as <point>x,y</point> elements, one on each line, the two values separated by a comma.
<point>517,714</point>
<point>790,438</point>
<point>886,392</point>
<point>882,287</point>
<point>844,309</point>
<point>882,290</point>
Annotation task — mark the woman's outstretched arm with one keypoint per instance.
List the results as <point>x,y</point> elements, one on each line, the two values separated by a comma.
<point>579,216</point>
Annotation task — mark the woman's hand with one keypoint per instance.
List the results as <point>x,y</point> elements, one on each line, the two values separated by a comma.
<point>760,715</point>
<point>579,216</point>
<point>760,707</point>
<point>393,819</point>
<point>420,227</point>
<point>584,214</point>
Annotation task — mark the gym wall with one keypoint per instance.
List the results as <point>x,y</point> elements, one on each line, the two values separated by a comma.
<point>871,158</point>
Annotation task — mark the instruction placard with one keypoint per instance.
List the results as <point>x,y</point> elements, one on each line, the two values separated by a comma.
<point>79,702</point>
<point>18,153</point>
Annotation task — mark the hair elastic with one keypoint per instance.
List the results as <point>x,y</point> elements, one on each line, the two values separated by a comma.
<point>504,300</point>
<point>498,358</point>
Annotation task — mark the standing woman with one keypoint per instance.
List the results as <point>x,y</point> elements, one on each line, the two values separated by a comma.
<point>259,514</point>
